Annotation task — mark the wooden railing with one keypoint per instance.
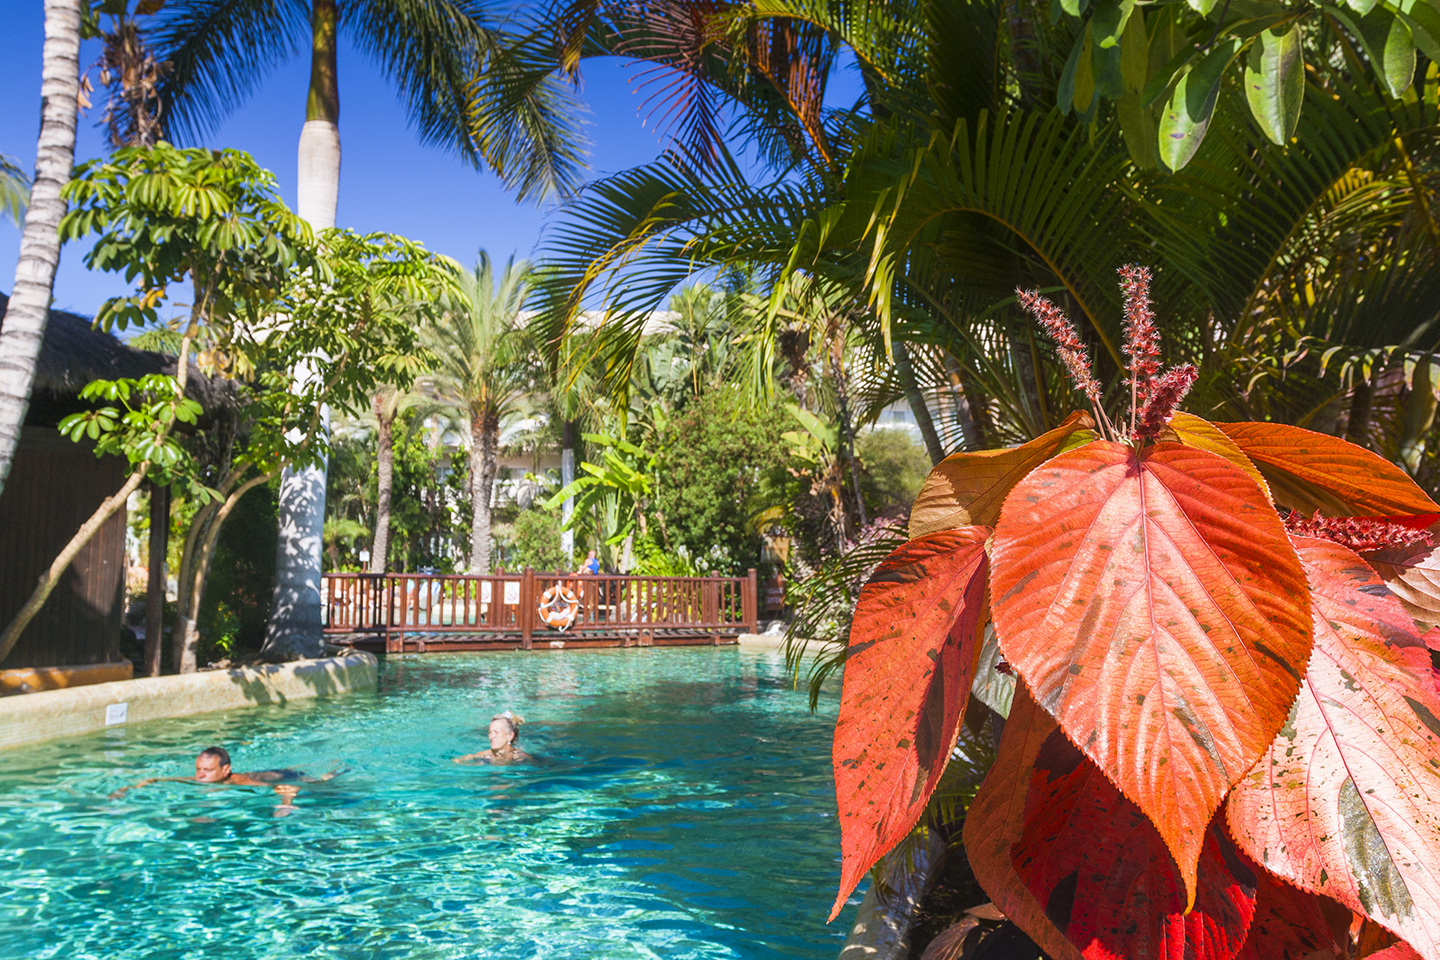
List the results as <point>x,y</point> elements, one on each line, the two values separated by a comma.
<point>507,605</point>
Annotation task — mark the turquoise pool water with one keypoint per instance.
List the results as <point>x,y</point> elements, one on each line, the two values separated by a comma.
<point>686,811</point>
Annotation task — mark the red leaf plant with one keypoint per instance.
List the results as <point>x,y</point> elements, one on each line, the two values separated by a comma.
<point>1225,736</point>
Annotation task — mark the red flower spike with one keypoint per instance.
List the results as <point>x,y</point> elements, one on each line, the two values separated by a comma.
<point>1073,352</point>
<point>1142,337</point>
<point>1358,533</point>
<point>1169,390</point>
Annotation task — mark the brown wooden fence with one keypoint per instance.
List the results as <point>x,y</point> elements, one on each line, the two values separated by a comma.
<point>439,611</point>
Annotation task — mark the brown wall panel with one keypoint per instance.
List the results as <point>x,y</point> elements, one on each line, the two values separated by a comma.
<point>53,487</point>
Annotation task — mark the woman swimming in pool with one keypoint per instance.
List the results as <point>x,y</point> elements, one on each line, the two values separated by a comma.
<point>504,732</point>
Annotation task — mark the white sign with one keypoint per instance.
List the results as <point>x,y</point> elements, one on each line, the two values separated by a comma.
<point>485,592</point>
<point>116,713</point>
<point>512,591</point>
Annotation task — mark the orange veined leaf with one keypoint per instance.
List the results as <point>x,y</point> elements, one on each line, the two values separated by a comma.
<point>1153,604</point>
<point>995,819</point>
<point>1309,471</point>
<point>1344,802</point>
<point>1396,951</point>
<point>969,488</point>
<point>1195,431</point>
<point>1108,881</point>
<point>908,667</point>
<point>1293,924</point>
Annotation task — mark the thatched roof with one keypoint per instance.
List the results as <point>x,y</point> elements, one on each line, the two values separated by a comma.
<point>75,353</point>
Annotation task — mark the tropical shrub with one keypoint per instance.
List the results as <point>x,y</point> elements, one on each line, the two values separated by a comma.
<point>1225,739</point>
<point>535,542</point>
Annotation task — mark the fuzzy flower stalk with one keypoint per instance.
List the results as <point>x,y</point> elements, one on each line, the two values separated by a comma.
<point>1361,534</point>
<point>1153,399</point>
<point>1073,353</point>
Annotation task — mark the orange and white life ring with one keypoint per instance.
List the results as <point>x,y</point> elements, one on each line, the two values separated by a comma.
<point>558,607</point>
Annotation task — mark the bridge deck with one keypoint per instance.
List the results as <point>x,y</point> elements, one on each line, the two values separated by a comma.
<point>433,612</point>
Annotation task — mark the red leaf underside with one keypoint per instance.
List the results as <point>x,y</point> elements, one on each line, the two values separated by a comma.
<point>1291,924</point>
<point>1155,607</point>
<point>1106,878</point>
<point>995,820</point>
<point>909,664</point>
<point>1309,471</point>
<point>1344,802</point>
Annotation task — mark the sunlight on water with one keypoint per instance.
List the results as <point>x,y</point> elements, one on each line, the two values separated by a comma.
<point>685,810</point>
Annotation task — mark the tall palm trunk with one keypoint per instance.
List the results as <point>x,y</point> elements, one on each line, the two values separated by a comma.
<point>294,630</point>
<point>567,477</point>
<point>484,448</point>
<point>385,469</point>
<point>22,330</point>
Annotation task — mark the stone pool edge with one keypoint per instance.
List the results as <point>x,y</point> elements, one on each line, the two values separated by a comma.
<point>51,714</point>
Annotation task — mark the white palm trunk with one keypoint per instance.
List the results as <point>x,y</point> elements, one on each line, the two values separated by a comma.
<point>295,622</point>
<point>22,330</point>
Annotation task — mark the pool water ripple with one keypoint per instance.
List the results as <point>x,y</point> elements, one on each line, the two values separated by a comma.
<point>684,810</point>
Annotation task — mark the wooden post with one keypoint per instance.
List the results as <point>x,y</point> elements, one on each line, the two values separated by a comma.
<point>155,580</point>
<point>751,603</point>
<point>527,606</point>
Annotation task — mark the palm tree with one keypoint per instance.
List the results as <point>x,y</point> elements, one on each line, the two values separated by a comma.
<point>386,405</point>
<point>23,327</point>
<point>440,54</point>
<point>485,367</point>
<point>14,190</point>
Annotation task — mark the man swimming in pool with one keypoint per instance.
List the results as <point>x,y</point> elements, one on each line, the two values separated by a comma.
<point>504,731</point>
<point>213,766</point>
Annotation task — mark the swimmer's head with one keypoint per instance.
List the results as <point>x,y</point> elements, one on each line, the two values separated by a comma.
<point>504,729</point>
<point>212,766</point>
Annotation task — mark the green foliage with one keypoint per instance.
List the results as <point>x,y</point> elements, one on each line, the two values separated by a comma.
<point>14,190</point>
<point>651,560</point>
<point>430,502</point>
<point>894,467</point>
<point>534,541</point>
<point>716,470</point>
<point>242,576</point>
<point>611,497</point>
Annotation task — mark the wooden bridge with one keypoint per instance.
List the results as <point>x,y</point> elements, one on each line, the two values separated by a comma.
<point>402,612</point>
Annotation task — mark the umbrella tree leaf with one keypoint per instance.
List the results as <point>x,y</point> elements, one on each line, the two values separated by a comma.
<point>1153,604</point>
<point>1275,82</point>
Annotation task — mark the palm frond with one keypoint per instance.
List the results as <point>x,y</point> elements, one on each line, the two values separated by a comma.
<point>219,51</point>
<point>14,190</point>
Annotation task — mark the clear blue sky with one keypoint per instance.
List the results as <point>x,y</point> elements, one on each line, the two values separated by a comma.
<point>388,180</point>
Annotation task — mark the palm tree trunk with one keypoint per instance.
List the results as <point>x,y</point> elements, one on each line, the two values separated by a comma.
<point>22,330</point>
<point>567,477</point>
<point>385,468</point>
<point>484,441</point>
<point>905,371</point>
<point>294,630</point>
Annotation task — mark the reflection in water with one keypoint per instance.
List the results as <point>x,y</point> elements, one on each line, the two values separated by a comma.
<point>673,817</point>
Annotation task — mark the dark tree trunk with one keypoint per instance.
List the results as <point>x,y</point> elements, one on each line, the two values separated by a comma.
<point>385,470</point>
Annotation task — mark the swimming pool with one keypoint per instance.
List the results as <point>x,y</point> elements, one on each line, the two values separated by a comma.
<point>687,810</point>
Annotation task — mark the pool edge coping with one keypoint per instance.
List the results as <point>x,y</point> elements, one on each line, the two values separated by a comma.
<point>52,714</point>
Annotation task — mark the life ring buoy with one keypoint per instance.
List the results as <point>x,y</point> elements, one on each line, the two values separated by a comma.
<point>558,607</point>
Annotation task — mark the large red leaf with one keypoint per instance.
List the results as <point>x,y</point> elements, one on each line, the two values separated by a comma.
<point>1346,801</point>
<point>908,667</point>
<point>968,488</point>
<point>1155,607</point>
<point>1310,471</point>
<point>1108,881</point>
<point>1413,575</point>
<point>996,818</point>
<point>1290,923</point>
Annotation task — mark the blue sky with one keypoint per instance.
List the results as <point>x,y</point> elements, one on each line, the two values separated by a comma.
<point>388,180</point>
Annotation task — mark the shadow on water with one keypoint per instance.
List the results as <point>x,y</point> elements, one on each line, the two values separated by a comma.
<point>684,808</point>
